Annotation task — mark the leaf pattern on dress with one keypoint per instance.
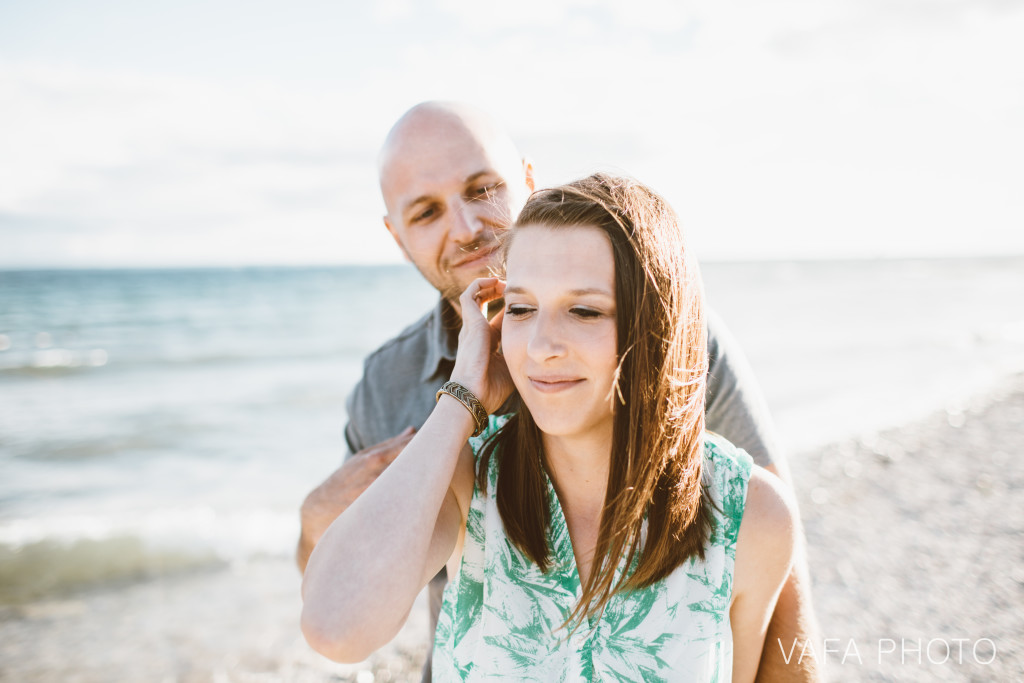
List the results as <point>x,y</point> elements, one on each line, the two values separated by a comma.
<point>502,617</point>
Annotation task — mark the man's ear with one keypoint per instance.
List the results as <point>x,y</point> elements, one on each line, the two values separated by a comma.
<point>398,240</point>
<point>528,172</point>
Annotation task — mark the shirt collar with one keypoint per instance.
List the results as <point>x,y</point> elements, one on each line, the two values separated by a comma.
<point>442,338</point>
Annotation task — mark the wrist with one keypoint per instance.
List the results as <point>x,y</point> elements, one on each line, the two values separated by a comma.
<point>471,404</point>
<point>469,380</point>
<point>458,420</point>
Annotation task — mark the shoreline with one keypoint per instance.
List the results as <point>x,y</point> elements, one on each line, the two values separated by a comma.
<point>915,536</point>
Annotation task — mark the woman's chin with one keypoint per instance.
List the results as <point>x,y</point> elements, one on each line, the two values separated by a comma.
<point>567,426</point>
<point>553,422</point>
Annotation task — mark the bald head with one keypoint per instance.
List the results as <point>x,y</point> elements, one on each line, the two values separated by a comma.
<point>451,179</point>
<point>437,125</point>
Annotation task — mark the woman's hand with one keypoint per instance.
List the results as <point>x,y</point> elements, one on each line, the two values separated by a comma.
<point>479,365</point>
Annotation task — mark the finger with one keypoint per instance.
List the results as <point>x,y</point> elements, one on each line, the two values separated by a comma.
<point>496,323</point>
<point>484,286</point>
<point>492,288</point>
<point>400,439</point>
<point>389,450</point>
<point>481,292</point>
<point>471,296</point>
<point>386,457</point>
<point>489,291</point>
<point>403,439</point>
<point>403,435</point>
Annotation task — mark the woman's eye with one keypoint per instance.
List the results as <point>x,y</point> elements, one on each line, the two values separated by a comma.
<point>517,311</point>
<point>586,313</point>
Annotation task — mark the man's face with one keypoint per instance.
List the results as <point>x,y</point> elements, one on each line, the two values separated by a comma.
<point>448,195</point>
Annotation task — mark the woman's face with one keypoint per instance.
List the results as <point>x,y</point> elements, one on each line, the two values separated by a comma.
<point>558,334</point>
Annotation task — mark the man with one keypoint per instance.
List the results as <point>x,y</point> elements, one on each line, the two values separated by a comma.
<point>452,179</point>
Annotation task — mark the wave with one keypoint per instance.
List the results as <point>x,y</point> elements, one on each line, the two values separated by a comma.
<point>56,556</point>
<point>55,361</point>
<point>85,448</point>
<point>51,362</point>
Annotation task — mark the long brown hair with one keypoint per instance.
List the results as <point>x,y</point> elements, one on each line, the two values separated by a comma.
<point>657,434</point>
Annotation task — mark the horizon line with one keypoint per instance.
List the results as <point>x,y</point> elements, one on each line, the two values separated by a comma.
<point>381,264</point>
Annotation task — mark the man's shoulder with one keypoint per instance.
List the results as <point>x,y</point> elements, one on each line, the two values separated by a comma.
<point>392,393</point>
<point>734,405</point>
<point>408,345</point>
<point>715,328</point>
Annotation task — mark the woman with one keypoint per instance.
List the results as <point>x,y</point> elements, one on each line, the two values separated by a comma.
<point>597,533</point>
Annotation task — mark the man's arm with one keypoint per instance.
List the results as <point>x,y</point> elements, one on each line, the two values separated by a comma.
<point>328,500</point>
<point>792,621</point>
<point>736,409</point>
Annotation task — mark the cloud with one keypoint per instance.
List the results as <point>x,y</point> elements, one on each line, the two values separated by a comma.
<point>168,169</point>
<point>834,124</point>
<point>387,11</point>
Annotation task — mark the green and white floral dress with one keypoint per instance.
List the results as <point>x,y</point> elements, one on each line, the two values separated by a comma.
<point>501,615</point>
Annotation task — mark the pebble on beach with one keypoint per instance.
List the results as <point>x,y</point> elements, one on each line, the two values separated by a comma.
<point>915,540</point>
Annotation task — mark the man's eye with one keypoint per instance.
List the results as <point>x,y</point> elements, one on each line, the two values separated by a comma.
<point>482,191</point>
<point>517,311</point>
<point>424,215</point>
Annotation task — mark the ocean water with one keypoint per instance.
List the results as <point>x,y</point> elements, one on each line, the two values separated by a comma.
<point>156,422</point>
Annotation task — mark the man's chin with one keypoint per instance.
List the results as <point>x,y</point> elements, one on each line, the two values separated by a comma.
<point>454,290</point>
<point>467,275</point>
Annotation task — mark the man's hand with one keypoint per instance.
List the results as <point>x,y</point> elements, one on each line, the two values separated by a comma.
<point>328,500</point>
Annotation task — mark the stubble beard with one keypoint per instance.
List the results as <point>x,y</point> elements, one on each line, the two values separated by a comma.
<point>450,288</point>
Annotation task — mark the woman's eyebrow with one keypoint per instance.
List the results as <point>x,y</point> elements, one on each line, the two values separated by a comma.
<point>573,292</point>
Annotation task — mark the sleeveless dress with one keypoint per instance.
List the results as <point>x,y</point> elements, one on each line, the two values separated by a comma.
<point>501,616</point>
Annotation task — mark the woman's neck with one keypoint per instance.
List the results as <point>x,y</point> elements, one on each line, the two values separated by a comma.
<point>579,467</point>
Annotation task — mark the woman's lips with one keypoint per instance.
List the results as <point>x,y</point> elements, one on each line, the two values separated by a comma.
<point>551,385</point>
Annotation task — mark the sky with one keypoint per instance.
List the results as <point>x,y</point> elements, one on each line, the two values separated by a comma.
<point>233,133</point>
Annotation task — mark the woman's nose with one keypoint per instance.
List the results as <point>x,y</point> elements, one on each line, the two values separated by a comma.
<point>545,339</point>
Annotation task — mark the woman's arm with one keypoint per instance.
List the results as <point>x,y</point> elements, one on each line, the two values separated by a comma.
<point>370,564</point>
<point>366,571</point>
<point>765,549</point>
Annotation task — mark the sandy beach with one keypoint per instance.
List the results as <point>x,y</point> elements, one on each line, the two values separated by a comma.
<point>916,543</point>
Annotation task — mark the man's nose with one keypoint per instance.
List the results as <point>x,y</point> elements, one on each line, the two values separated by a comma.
<point>466,225</point>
